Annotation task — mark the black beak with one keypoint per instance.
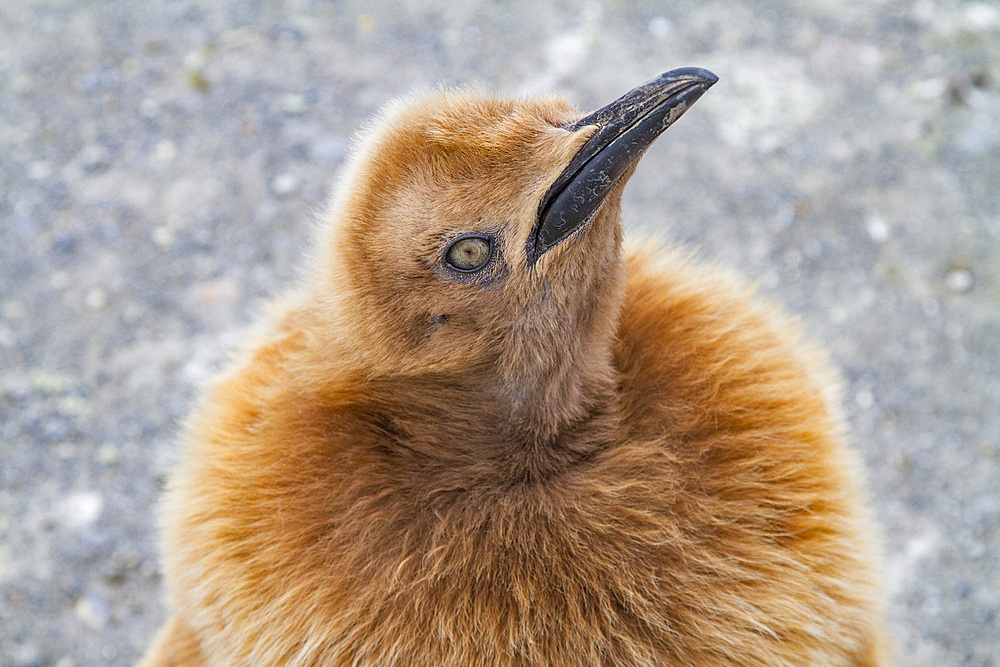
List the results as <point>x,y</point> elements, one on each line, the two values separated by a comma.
<point>625,129</point>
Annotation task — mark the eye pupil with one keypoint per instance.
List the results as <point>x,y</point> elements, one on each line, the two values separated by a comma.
<point>469,254</point>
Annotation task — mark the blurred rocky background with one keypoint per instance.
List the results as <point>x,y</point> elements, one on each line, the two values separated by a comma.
<point>162,163</point>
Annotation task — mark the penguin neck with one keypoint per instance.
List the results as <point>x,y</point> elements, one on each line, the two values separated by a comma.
<point>554,395</point>
<point>505,427</point>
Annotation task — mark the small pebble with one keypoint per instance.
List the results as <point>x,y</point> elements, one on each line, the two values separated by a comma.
<point>5,560</point>
<point>108,454</point>
<point>166,150</point>
<point>15,310</point>
<point>660,26</point>
<point>149,108</point>
<point>94,610</point>
<point>928,89</point>
<point>216,292</point>
<point>27,655</point>
<point>39,170</point>
<point>197,80</point>
<point>96,299</point>
<point>75,406</point>
<point>48,382</point>
<point>21,84</point>
<point>366,23</point>
<point>284,185</point>
<point>196,59</point>
<point>7,337</point>
<point>877,228</point>
<point>95,158</point>
<point>59,280</point>
<point>980,17</point>
<point>864,398</point>
<point>80,510</point>
<point>959,279</point>
<point>15,388</point>
<point>980,135</point>
<point>838,314</point>
<point>293,104</point>
<point>163,237</point>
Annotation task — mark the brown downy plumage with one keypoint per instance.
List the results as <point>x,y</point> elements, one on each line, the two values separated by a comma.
<point>483,433</point>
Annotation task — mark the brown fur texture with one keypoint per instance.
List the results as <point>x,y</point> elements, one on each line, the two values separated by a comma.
<point>612,457</point>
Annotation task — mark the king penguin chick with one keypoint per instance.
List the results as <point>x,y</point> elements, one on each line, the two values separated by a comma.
<point>485,431</point>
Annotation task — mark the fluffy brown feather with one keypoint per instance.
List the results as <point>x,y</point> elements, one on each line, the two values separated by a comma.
<point>615,456</point>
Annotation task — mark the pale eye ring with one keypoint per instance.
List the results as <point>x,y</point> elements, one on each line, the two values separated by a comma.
<point>469,253</point>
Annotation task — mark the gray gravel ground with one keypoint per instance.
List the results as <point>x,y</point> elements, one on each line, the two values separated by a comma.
<point>160,163</point>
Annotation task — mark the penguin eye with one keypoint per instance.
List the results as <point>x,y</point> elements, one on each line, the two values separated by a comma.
<point>469,253</point>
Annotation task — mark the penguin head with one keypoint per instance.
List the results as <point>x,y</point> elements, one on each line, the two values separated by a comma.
<point>473,234</point>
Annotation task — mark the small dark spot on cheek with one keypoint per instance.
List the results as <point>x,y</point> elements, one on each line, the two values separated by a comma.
<point>423,331</point>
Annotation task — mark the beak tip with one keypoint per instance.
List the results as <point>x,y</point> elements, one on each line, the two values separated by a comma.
<point>700,75</point>
<point>624,129</point>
